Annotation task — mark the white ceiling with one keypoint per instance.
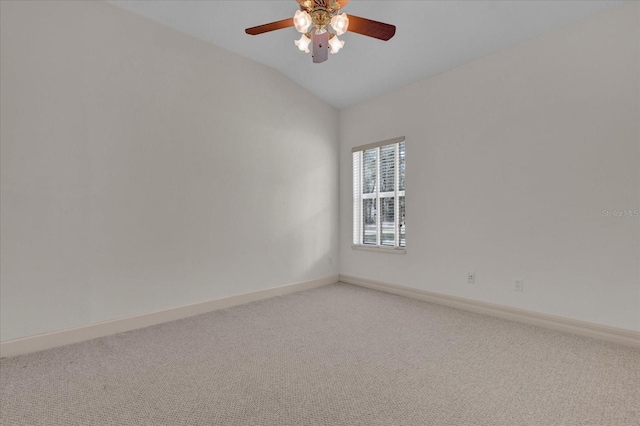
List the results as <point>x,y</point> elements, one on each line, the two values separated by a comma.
<point>431,37</point>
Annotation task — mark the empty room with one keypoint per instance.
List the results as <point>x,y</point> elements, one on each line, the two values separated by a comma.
<point>319,212</point>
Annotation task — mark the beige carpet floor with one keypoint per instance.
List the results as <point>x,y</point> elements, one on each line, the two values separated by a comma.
<point>336,355</point>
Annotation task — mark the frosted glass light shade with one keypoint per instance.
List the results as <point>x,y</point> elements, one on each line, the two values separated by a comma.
<point>340,23</point>
<point>302,21</point>
<point>335,44</point>
<point>303,43</point>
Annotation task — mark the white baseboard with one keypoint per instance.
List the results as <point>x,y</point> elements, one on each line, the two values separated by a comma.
<point>54,339</point>
<point>581,328</point>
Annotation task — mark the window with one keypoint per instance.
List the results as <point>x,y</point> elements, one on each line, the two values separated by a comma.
<point>378,195</point>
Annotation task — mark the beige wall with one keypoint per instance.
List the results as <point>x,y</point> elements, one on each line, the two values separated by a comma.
<point>511,160</point>
<point>143,169</point>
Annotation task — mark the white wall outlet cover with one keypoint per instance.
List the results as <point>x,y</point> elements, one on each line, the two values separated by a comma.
<point>518,285</point>
<point>471,277</point>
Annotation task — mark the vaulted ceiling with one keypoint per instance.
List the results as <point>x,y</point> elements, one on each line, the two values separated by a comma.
<point>431,37</point>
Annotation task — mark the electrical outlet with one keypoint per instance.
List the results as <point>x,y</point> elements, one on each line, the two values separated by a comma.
<point>471,277</point>
<point>518,285</point>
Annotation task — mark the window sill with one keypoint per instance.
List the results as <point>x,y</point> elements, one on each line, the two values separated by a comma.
<point>380,249</point>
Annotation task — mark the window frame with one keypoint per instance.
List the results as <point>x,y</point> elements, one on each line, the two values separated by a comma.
<point>359,197</point>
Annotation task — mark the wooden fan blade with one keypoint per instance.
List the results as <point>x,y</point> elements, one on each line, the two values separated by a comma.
<point>278,25</point>
<point>370,28</point>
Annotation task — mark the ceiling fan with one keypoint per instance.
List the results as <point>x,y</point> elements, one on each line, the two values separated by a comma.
<point>313,19</point>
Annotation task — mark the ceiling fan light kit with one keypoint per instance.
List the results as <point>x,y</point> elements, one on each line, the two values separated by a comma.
<point>313,20</point>
<point>340,23</point>
<point>302,21</point>
<point>303,43</point>
<point>335,44</point>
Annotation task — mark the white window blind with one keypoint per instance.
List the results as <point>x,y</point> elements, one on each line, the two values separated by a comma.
<point>379,195</point>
